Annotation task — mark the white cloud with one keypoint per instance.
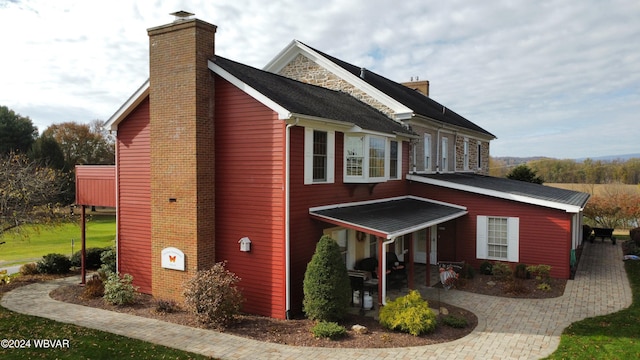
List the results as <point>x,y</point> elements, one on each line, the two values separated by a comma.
<point>546,77</point>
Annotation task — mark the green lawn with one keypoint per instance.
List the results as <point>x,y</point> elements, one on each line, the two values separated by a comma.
<point>614,336</point>
<point>83,343</point>
<point>100,231</point>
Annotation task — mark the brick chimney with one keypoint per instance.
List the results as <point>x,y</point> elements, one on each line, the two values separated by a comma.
<point>421,86</point>
<point>182,149</point>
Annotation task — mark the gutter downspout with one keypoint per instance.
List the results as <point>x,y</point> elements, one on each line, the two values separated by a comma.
<point>438,149</point>
<point>287,242</point>
<point>117,181</point>
<point>384,269</point>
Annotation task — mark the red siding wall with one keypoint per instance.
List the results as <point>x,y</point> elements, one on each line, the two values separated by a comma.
<point>134,201</point>
<point>306,232</point>
<point>96,185</point>
<point>545,234</point>
<point>250,197</point>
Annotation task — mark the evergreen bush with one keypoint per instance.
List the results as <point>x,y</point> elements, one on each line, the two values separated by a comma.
<point>328,330</point>
<point>521,272</point>
<point>326,286</point>
<point>119,290</point>
<point>486,268</point>
<point>409,313</point>
<point>53,264</point>
<point>212,295</point>
<point>108,260</point>
<point>502,271</point>
<point>92,258</point>
<point>454,321</point>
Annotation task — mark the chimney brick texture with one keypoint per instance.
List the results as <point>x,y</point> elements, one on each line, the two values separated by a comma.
<point>181,90</point>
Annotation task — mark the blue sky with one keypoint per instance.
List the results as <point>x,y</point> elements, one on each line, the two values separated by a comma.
<point>548,78</point>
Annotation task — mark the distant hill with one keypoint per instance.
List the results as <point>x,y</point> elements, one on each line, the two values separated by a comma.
<point>515,161</point>
<point>612,157</point>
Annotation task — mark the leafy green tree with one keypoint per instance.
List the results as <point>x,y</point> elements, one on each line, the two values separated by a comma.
<point>17,133</point>
<point>327,290</point>
<point>524,173</point>
<point>47,151</point>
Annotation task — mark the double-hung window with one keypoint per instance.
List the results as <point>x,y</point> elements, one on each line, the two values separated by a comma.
<point>445,155</point>
<point>367,158</point>
<point>497,238</point>
<point>395,164</point>
<point>466,155</point>
<point>319,153</point>
<point>427,152</point>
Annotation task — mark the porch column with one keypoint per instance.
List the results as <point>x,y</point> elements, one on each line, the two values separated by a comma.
<point>428,281</point>
<point>380,273</point>
<point>83,239</point>
<point>410,261</point>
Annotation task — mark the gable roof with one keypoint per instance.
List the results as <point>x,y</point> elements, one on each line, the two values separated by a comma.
<point>418,103</point>
<point>301,99</point>
<point>521,191</point>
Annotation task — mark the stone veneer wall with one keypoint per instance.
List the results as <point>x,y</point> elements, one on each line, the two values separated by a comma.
<point>303,69</point>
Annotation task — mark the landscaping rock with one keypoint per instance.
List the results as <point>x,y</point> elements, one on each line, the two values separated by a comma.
<point>359,329</point>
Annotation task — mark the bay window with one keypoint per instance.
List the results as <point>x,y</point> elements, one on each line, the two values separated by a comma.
<point>371,158</point>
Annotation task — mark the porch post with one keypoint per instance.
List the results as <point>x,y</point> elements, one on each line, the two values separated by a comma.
<point>410,261</point>
<point>428,281</point>
<point>379,270</point>
<point>83,236</point>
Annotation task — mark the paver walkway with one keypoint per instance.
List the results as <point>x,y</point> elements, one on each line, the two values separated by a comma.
<point>507,328</point>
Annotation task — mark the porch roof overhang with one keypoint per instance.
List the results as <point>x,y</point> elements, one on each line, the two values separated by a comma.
<point>389,218</point>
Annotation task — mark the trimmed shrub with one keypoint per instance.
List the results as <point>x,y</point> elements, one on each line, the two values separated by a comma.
<point>409,313</point>
<point>5,278</point>
<point>467,271</point>
<point>502,271</point>
<point>108,260</point>
<point>166,306</point>
<point>212,295</point>
<point>94,288</point>
<point>454,321</point>
<point>541,272</point>
<point>327,289</point>
<point>328,330</point>
<point>53,264</point>
<point>119,290</point>
<point>521,272</point>
<point>92,258</point>
<point>29,269</point>
<point>486,268</point>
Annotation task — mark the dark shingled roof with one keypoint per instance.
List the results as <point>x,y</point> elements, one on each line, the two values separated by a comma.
<point>419,103</point>
<point>515,187</point>
<point>305,99</point>
<point>393,217</point>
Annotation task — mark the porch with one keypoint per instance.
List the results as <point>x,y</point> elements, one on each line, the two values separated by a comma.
<point>378,229</point>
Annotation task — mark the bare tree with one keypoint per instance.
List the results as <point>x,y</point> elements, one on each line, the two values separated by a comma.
<point>29,193</point>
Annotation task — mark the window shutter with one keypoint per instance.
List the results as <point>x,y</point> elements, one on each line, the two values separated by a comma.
<point>481,237</point>
<point>331,156</point>
<point>513,239</point>
<point>308,155</point>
